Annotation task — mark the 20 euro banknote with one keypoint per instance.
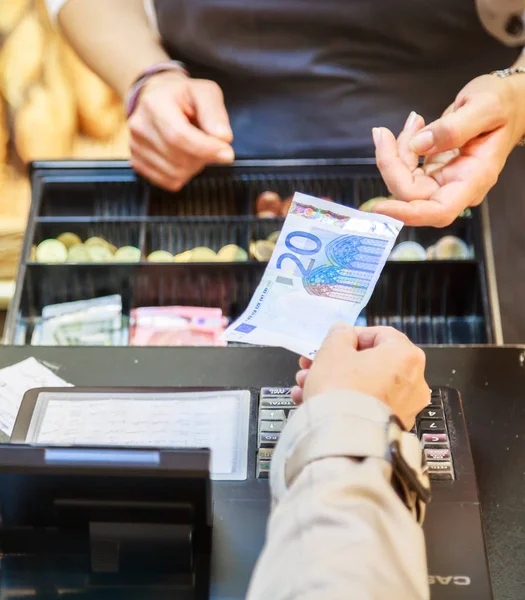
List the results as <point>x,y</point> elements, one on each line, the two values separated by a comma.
<point>323,270</point>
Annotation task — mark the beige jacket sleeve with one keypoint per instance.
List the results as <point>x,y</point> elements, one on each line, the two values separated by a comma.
<point>339,530</point>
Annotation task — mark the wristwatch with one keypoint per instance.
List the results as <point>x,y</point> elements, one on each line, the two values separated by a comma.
<point>409,468</point>
<point>502,74</point>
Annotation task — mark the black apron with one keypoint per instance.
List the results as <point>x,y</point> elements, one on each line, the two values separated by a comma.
<point>310,78</point>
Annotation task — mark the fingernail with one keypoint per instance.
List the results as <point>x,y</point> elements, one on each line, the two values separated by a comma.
<point>411,120</point>
<point>227,155</point>
<point>376,134</point>
<point>422,142</point>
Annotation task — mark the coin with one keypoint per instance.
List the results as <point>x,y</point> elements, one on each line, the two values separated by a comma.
<point>408,251</point>
<point>128,254</point>
<point>51,251</point>
<point>183,257</point>
<point>69,239</point>
<point>268,201</point>
<point>232,253</point>
<point>96,241</point>
<point>451,247</point>
<point>262,250</point>
<point>286,206</point>
<point>431,253</point>
<point>78,254</point>
<point>273,237</point>
<point>100,254</point>
<point>369,204</point>
<point>160,256</point>
<point>203,254</point>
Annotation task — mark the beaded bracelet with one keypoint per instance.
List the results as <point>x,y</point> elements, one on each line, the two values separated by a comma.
<point>133,95</point>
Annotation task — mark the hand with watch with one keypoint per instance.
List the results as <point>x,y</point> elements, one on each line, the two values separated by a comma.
<point>382,363</point>
<point>464,151</point>
<point>344,473</point>
<point>177,125</point>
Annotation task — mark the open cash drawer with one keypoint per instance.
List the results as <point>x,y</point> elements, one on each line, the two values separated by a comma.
<point>433,302</point>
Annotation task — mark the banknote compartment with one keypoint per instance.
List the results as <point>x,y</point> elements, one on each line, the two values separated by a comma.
<point>439,302</point>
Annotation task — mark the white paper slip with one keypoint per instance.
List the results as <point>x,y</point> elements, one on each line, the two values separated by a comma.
<point>216,420</point>
<point>15,381</point>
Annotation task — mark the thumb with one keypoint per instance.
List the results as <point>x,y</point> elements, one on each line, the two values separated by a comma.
<point>456,128</point>
<point>340,341</point>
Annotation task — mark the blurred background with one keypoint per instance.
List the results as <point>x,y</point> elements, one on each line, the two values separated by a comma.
<point>51,106</point>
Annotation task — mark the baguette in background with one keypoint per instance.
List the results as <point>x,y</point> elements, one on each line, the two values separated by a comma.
<point>21,59</point>
<point>11,14</point>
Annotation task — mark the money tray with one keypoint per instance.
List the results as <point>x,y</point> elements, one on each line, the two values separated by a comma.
<point>433,302</point>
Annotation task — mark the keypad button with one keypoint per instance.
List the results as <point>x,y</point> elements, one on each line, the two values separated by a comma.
<point>440,471</point>
<point>431,426</point>
<point>268,439</point>
<point>436,398</point>
<point>431,412</point>
<point>436,447</point>
<point>265,453</point>
<point>272,415</point>
<point>434,438</point>
<point>277,403</point>
<point>263,469</point>
<point>279,392</point>
<point>437,454</point>
<point>271,426</point>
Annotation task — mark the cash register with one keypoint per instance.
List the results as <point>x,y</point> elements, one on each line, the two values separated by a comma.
<point>163,493</point>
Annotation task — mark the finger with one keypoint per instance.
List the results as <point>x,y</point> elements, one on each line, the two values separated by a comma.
<point>455,129</point>
<point>305,363</point>
<point>371,337</point>
<point>183,137</point>
<point>457,197</point>
<point>152,155</point>
<point>397,175</point>
<point>297,395</point>
<point>413,124</point>
<point>301,376</point>
<point>210,111</point>
<point>151,173</point>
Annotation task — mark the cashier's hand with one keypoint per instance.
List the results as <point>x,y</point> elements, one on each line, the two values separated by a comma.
<point>378,361</point>
<point>178,127</point>
<point>465,151</point>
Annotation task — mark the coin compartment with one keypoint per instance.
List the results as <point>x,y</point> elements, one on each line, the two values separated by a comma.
<point>177,235</point>
<point>119,233</point>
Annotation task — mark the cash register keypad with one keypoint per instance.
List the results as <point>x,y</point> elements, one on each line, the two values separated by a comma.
<point>276,408</point>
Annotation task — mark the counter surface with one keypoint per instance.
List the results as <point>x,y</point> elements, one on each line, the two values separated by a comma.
<point>491,381</point>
